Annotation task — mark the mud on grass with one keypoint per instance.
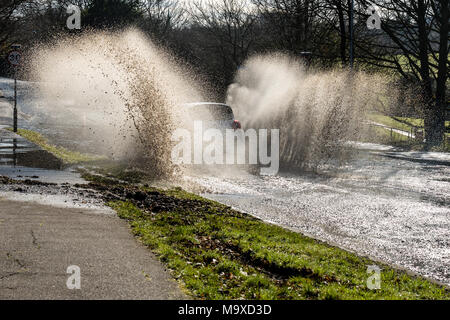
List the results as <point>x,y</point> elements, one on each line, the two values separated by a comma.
<point>220,253</point>
<point>107,171</point>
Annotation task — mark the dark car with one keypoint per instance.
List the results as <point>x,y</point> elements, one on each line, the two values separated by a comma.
<point>212,115</point>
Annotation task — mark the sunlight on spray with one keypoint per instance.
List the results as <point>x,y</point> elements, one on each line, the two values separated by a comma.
<point>315,110</point>
<point>120,85</point>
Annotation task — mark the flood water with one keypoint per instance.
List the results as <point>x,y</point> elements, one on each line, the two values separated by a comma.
<point>20,159</point>
<point>389,205</point>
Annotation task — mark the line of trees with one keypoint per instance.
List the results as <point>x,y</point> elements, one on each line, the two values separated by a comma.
<point>216,36</point>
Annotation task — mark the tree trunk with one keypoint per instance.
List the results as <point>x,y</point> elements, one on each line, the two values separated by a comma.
<point>343,33</point>
<point>441,103</point>
<point>430,116</point>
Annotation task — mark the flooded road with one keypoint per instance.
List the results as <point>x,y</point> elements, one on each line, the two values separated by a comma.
<point>391,206</point>
<point>34,175</point>
<point>38,176</point>
<point>22,160</point>
<point>58,126</point>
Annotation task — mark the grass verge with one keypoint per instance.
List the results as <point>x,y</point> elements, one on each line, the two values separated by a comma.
<point>113,172</point>
<point>219,253</point>
<point>383,135</point>
<point>67,156</point>
<point>401,123</point>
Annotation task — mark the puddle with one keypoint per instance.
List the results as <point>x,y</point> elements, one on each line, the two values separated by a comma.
<point>22,160</point>
<point>43,175</point>
<point>16,151</point>
<point>70,201</point>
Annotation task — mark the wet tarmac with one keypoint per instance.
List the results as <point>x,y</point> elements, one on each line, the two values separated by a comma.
<point>21,160</point>
<point>38,176</point>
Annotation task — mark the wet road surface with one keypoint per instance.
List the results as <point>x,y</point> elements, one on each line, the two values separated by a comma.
<point>21,160</point>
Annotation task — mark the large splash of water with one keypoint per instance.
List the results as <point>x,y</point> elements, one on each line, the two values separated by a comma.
<point>130,91</point>
<point>128,88</point>
<point>315,110</point>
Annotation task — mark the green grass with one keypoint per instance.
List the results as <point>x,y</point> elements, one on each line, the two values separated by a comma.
<point>401,123</point>
<point>404,62</point>
<point>391,122</point>
<point>219,253</point>
<point>408,124</point>
<point>384,135</point>
<point>67,156</point>
<point>376,134</point>
<point>113,172</point>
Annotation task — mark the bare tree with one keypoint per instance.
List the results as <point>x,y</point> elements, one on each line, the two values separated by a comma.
<point>162,16</point>
<point>293,21</point>
<point>414,42</point>
<point>228,28</point>
<point>8,20</point>
<point>437,120</point>
<point>335,14</point>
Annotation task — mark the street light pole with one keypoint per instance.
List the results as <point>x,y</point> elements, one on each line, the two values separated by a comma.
<point>15,99</point>
<point>351,33</point>
<point>14,59</point>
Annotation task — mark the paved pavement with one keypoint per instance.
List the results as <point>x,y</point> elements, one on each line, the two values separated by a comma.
<point>38,243</point>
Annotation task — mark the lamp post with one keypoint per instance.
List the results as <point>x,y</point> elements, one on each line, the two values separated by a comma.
<point>14,59</point>
<point>351,33</point>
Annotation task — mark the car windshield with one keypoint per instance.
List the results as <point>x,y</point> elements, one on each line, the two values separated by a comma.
<point>211,112</point>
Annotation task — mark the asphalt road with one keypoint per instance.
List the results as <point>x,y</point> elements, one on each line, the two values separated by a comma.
<point>38,243</point>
